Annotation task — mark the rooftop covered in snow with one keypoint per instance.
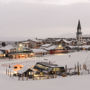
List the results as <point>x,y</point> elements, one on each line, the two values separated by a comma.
<point>7,47</point>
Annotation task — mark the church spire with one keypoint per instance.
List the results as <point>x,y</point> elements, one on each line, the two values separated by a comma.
<point>79,25</point>
<point>79,33</point>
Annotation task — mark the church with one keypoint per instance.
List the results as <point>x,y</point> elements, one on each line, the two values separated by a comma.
<point>81,39</point>
<point>79,34</point>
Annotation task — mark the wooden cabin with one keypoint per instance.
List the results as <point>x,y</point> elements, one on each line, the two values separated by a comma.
<point>26,71</point>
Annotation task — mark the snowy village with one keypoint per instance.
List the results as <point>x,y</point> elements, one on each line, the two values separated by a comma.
<point>39,59</point>
<point>44,45</point>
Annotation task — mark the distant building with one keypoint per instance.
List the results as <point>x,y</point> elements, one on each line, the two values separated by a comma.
<point>56,49</point>
<point>8,48</point>
<point>31,43</point>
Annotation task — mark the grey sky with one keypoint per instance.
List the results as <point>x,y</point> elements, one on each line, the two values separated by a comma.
<point>47,1</point>
<point>42,20</point>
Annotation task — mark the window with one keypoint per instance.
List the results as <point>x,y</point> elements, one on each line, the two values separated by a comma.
<point>15,67</point>
<point>56,69</point>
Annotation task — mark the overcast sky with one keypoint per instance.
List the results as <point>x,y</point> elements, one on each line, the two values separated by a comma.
<point>43,18</point>
<point>47,1</point>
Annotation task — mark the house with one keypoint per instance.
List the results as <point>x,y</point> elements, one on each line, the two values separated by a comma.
<point>83,47</point>
<point>31,43</point>
<point>41,69</point>
<point>8,48</point>
<point>21,52</point>
<point>20,55</point>
<point>64,42</point>
<point>55,49</point>
<point>17,52</point>
<point>49,68</point>
<point>26,71</point>
<point>39,52</point>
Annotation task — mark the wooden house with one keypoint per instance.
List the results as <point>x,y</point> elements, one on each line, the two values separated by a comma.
<point>26,71</point>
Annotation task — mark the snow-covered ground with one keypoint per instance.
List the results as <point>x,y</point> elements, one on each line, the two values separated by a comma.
<point>64,83</point>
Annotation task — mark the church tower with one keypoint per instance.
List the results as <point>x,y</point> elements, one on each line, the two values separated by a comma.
<point>79,34</point>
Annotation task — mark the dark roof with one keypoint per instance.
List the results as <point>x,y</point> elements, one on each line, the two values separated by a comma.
<point>47,64</point>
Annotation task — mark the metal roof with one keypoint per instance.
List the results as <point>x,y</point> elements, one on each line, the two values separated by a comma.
<point>47,64</point>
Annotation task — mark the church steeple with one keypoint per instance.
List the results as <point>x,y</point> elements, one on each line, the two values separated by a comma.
<point>79,33</point>
<point>79,25</point>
